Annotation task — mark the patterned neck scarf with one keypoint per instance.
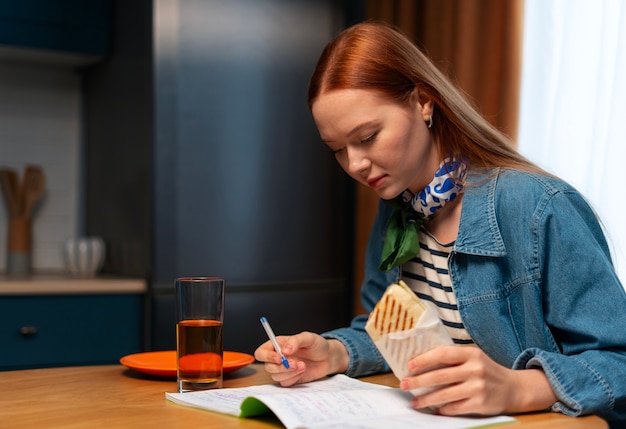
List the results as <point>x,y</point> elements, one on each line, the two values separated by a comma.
<point>401,239</point>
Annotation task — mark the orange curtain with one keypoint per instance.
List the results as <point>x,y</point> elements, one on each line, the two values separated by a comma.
<point>478,44</point>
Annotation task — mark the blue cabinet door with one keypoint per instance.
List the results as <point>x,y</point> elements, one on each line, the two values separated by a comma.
<point>74,26</point>
<point>62,330</point>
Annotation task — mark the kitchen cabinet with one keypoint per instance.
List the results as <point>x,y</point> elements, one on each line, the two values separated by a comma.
<point>69,322</point>
<point>64,26</point>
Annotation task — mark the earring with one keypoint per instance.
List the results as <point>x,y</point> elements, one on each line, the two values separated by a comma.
<point>430,122</point>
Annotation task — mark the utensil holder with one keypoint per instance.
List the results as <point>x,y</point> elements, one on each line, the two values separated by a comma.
<point>19,248</point>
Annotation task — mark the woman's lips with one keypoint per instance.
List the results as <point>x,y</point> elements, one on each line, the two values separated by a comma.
<point>376,182</point>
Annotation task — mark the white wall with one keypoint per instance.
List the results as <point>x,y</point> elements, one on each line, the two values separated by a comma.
<point>40,124</point>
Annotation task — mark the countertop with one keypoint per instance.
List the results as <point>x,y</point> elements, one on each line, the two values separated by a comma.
<point>60,283</point>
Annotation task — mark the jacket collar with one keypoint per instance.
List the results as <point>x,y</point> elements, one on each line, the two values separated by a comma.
<point>479,233</point>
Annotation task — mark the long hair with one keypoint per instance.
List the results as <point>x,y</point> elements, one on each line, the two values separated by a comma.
<point>377,56</point>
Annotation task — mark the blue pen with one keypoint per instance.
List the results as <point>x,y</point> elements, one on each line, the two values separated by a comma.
<point>270,333</point>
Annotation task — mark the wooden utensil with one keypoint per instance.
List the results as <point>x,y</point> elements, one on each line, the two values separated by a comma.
<point>10,188</point>
<point>33,187</point>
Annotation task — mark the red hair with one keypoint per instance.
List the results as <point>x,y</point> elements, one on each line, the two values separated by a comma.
<point>376,56</point>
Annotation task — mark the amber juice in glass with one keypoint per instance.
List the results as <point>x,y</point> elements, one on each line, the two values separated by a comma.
<point>199,333</point>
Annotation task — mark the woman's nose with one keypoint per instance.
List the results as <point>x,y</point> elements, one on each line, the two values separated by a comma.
<point>358,163</point>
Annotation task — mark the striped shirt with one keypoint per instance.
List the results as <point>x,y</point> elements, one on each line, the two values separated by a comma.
<point>428,276</point>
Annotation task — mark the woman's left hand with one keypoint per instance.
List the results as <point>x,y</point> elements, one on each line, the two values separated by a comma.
<point>471,383</point>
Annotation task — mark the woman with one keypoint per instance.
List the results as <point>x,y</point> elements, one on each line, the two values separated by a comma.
<point>514,258</point>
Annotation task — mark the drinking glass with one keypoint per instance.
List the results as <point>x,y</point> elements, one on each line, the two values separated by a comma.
<point>199,333</point>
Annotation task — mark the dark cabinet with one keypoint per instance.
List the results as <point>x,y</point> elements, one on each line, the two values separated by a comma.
<point>64,330</point>
<point>72,26</point>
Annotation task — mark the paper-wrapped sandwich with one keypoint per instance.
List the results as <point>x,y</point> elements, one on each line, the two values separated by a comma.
<point>403,326</point>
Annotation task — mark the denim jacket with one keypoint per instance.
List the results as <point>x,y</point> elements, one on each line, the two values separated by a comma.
<point>535,288</point>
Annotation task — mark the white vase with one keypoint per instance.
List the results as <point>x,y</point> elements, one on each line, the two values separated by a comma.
<point>84,256</point>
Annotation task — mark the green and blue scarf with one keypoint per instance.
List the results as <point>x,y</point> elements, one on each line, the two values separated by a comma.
<point>410,211</point>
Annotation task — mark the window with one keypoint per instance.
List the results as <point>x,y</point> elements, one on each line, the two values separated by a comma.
<point>573,103</point>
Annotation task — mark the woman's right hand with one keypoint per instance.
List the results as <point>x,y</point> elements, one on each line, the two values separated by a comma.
<point>310,357</point>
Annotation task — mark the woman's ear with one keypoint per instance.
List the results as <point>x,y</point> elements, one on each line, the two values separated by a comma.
<point>425,105</point>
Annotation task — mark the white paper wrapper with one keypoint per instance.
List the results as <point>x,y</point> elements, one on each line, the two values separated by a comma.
<point>399,347</point>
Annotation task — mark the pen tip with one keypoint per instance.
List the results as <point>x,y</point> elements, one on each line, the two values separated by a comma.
<point>263,319</point>
<point>285,362</point>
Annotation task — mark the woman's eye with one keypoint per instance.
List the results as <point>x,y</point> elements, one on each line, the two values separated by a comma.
<point>369,138</point>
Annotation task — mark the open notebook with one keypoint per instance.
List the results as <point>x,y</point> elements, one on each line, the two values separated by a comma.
<point>335,402</point>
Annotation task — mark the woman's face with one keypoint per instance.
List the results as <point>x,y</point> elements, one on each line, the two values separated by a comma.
<point>382,144</point>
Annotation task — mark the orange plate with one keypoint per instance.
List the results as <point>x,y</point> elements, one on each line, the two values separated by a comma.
<point>164,363</point>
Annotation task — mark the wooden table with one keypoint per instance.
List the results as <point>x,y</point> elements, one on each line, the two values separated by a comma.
<point>112,396</point>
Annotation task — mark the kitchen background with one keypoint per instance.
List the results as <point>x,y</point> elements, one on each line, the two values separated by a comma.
<point>178,131</point>
<point>40,123</point>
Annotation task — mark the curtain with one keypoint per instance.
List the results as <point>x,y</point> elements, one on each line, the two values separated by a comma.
<point>573,103</point>
<point>478,44</point>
